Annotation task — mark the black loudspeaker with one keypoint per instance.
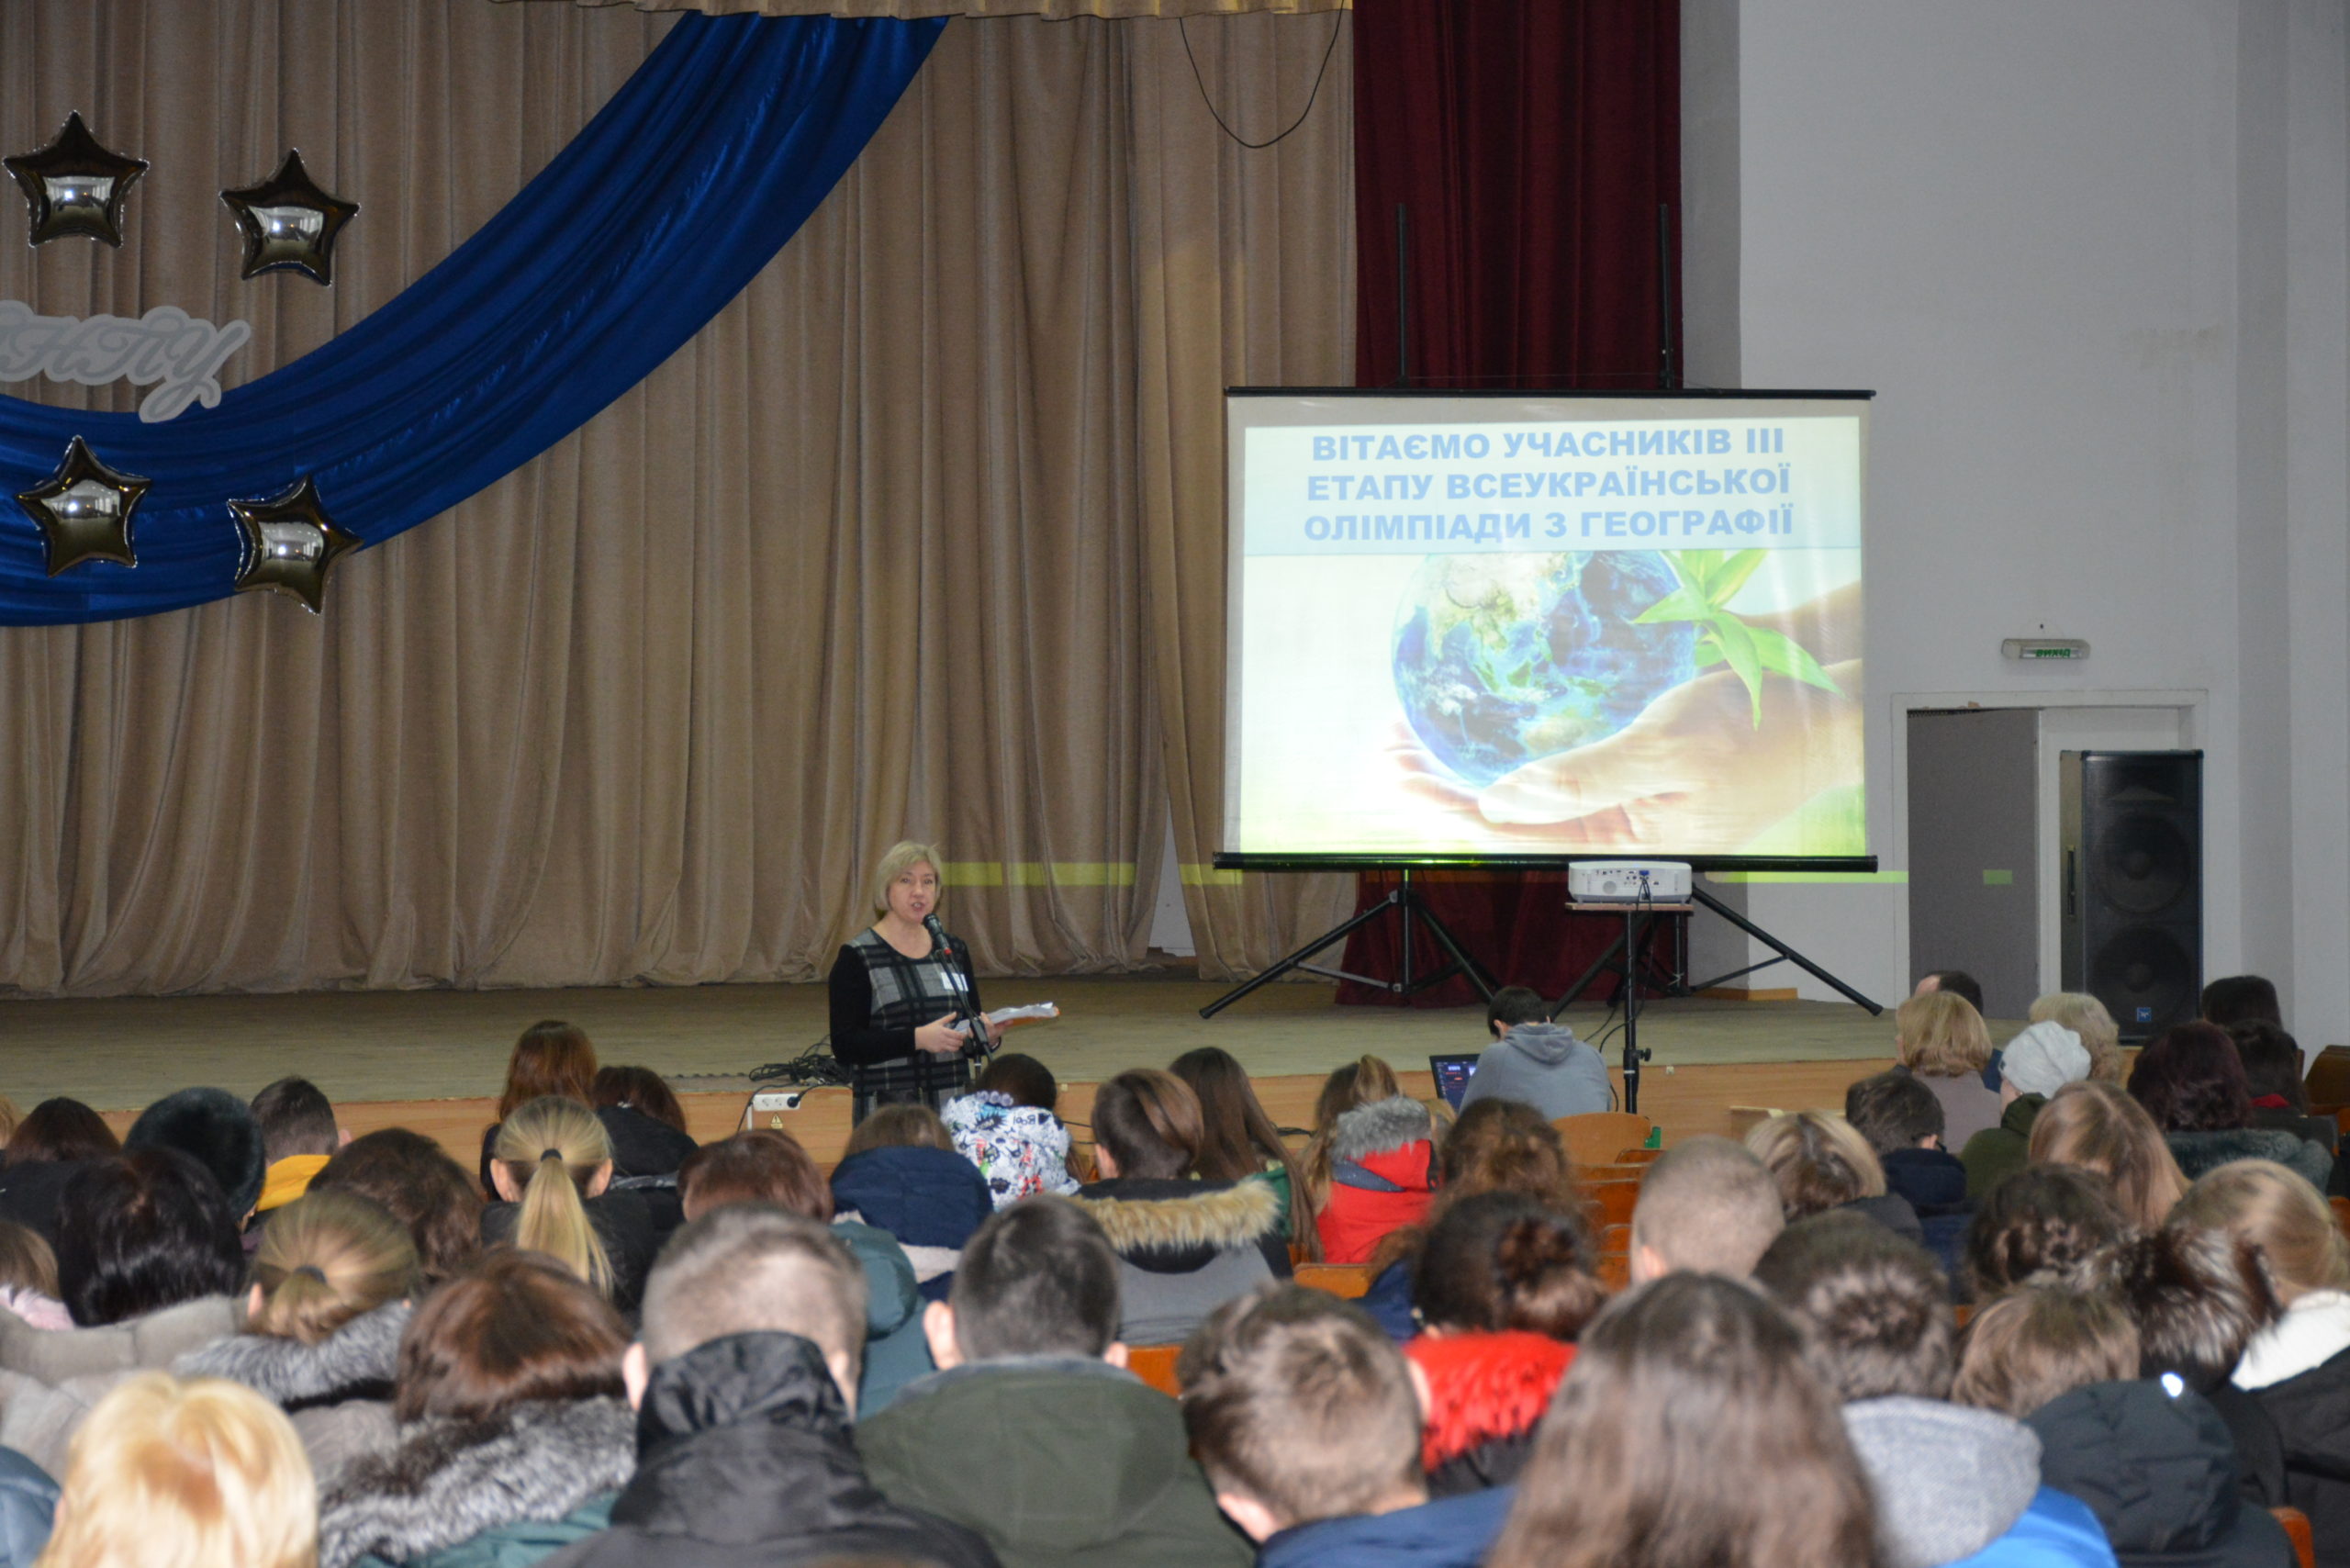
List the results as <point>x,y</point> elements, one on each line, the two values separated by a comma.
<point>2131,825</point>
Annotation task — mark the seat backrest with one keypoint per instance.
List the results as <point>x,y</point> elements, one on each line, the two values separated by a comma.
<point>1345,1281</point>
<point>1155,1364</point>
<point>1612,1202</point>
<point>1598,1135</point>
<point>2297,1530</point>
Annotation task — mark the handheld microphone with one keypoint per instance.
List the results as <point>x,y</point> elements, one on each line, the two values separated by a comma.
<point>937,932</point>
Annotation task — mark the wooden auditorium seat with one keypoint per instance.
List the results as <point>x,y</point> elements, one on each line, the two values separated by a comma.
<point>1598,1136</point>
<point>2297,1530</point>
<point>1155,1364</point>
<point>1611,1202</point>
<point>1345,1281</point>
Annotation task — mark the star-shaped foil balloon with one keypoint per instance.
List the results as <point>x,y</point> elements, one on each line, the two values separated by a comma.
<point>84,512</point>
<point>288,223</point>
<point>289,544</point>
<point>76,186</point>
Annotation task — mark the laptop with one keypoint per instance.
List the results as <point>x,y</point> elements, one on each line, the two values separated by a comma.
<point>1452,1074</point>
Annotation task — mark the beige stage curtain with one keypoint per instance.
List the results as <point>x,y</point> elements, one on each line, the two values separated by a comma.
<point>1052,10</point>
<point>922,536</point>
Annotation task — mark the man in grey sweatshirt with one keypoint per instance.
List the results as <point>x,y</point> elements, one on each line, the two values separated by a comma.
<point>1541,1065</point>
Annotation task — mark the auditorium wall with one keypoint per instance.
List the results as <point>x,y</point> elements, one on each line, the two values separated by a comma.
<point>2090,254</point>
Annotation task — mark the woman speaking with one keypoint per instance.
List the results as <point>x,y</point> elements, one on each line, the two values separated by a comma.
<point>898,991</point>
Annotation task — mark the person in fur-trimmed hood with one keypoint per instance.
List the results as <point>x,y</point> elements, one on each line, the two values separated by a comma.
<point>1184,1246</point>
<point>511,1423</point>
<point>1382,1177</point>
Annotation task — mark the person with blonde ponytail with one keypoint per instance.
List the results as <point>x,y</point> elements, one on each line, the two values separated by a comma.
<point>203,1474</point>
<point>553,1168</point>
<point>335,1279</point>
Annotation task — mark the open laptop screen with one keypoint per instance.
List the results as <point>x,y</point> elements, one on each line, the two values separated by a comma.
<point>1452,1074</point>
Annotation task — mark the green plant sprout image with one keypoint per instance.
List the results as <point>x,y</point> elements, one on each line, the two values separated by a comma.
<point>1709,580</point>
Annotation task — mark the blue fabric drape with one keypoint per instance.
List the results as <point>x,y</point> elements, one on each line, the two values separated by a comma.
<point>669,201</point>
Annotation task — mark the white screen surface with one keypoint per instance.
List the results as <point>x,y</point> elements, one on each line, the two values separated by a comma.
<point>1531,625</point>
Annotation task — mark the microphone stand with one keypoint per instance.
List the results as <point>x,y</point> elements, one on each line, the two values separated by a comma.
<point>982,1044</point>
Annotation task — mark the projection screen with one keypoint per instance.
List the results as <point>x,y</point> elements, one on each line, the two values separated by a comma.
<point>1538,625</point>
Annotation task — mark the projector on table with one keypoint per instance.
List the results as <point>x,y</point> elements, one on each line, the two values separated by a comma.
<point>1628,882</point>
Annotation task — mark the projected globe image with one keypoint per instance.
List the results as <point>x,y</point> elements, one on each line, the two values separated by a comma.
<point>1501,659</point>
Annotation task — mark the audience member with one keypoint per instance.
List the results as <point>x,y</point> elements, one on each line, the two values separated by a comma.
<point>2199,1298</point>
<point>2151,1461</point>
<point>2085,1016</point>
<point>1184,1246</point>
<point>413,1179</point>
<point>143,1231</point>
<point>335,1279</point>
<point>2096,1127</point>
<point>901,1173</point>
<point>2280,1097</point>
<point>52,1141</point>
<point>1536,1062</point>
<point>1822,1163</point>
<point>29,1279</point>
<point>1238,1139</point>
<point>2191,1082</point>
<point>1382,1177</point>
<point>551,1058</point>
<point>217,1131</point>
<point>1496,1146</point>
<point>1940,1037</point>
<point>2040,1226</point>
<point>2241,999</point>
<point>1680,1386</point>
<point>1086,1466</point>
<point>764,1166</point>
<point>299,1135</point>
<point>1503,1284</point>
<point>1902,1123</point>
<point>1006,1127</point>
<point>642,1118</point>
<point>1513,1005</point>
<point>1874,1318</point>
<point>1308,1423</point>
<point>2297,1367</point>
<point>512,1433</point>
<point>1707,1206</point>
<point>1359,1082</point>
<point>1953,982</point>
<point>553,1174</point>
<point>2039,1061</point>
<point>744,1381</point>
<point>192,1474</point>
<point>2039,1344</point>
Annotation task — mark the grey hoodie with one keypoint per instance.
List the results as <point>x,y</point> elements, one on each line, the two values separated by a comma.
<point>1544,1066</point>
<point>1949,1481</point>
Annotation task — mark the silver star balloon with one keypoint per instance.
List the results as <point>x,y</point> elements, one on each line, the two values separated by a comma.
<point>289,544</point>
<point>76,186</point>
<point>288,223</point>
<point>84,512</point>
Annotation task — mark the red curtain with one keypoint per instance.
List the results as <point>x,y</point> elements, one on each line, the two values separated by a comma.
<point>1531,144</point>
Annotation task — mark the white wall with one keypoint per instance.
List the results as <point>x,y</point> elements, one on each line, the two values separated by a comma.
<point>2090,255</point>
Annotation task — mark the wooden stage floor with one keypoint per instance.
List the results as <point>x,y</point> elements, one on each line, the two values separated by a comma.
<point>430,1058</point>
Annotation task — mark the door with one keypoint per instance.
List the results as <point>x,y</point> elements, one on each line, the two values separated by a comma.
<point>1974,850</point>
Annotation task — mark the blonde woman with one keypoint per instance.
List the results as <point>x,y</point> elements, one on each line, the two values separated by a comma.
<point>335,1279</point>
<point>2097,1128</point>
<point>898,993</point>
<point>2085,1016</point>
<point>553,1168</point>
<point>1821,1163</point>
<point>201,1474</point>
<point>1943,1041</point>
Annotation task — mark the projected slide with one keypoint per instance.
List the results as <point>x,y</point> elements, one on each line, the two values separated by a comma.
<point>1528,625</point>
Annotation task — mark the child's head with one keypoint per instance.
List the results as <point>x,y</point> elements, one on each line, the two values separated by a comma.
<point>1036,1279</point>
<point>1818,1161</point>
<point>2096,1127</point>
<point>323,1260</point>
<point>1872,1307</point>
<point>1941,1035</point>
<point>552,1154</point>
<point>2040,1224</point>
<point>296,1117</point>
<point>27,1260</point>
<point>1499,1261</point>
<point>761,1166</point>
<point>417,1182</point>
<point>1708,1207</point>
<point>754,1269</point>
<point>1301,1409</point>
<point>641,1089</point>
<point>1513,1005</point>
<point>1024,1078</point>
<point>1147,1124</point>
<point>2281,1214</point>
<point>1893,1110</point>
<point>2035,1345</point>
<point>899,1126</point>
<point>514,1327</point>
<point>1502,1145</point>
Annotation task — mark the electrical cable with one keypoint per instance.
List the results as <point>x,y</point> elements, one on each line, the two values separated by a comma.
<point>1339,21</point>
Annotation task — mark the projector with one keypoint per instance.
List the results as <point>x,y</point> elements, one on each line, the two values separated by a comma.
<point>1628,882</point>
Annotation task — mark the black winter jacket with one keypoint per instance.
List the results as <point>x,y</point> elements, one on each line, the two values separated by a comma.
<point>2312,1414</point>
<point>744,1461</point>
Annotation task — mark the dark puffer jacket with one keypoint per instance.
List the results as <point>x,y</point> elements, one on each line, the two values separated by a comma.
<point>744,1462</point>
<point>930,1198</point>
<point>2312,1414</point>
<point>2159,1472</point>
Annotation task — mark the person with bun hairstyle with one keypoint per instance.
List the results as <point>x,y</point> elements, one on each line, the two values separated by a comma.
<point>514,1435</point>
<point>1184,1246</point>
<point>1503,1285</point>
<point>335,1280</point>
<point>1690,1431</point>
<point>2040,1226</point>
<point>554,1176</point>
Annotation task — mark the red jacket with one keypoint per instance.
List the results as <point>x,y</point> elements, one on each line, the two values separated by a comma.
<point>1484,1387</point>
<point>1383,1175</point>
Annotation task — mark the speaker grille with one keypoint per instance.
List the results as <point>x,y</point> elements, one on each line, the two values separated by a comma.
<point>2140,973</point>
<point>2144,864</point>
